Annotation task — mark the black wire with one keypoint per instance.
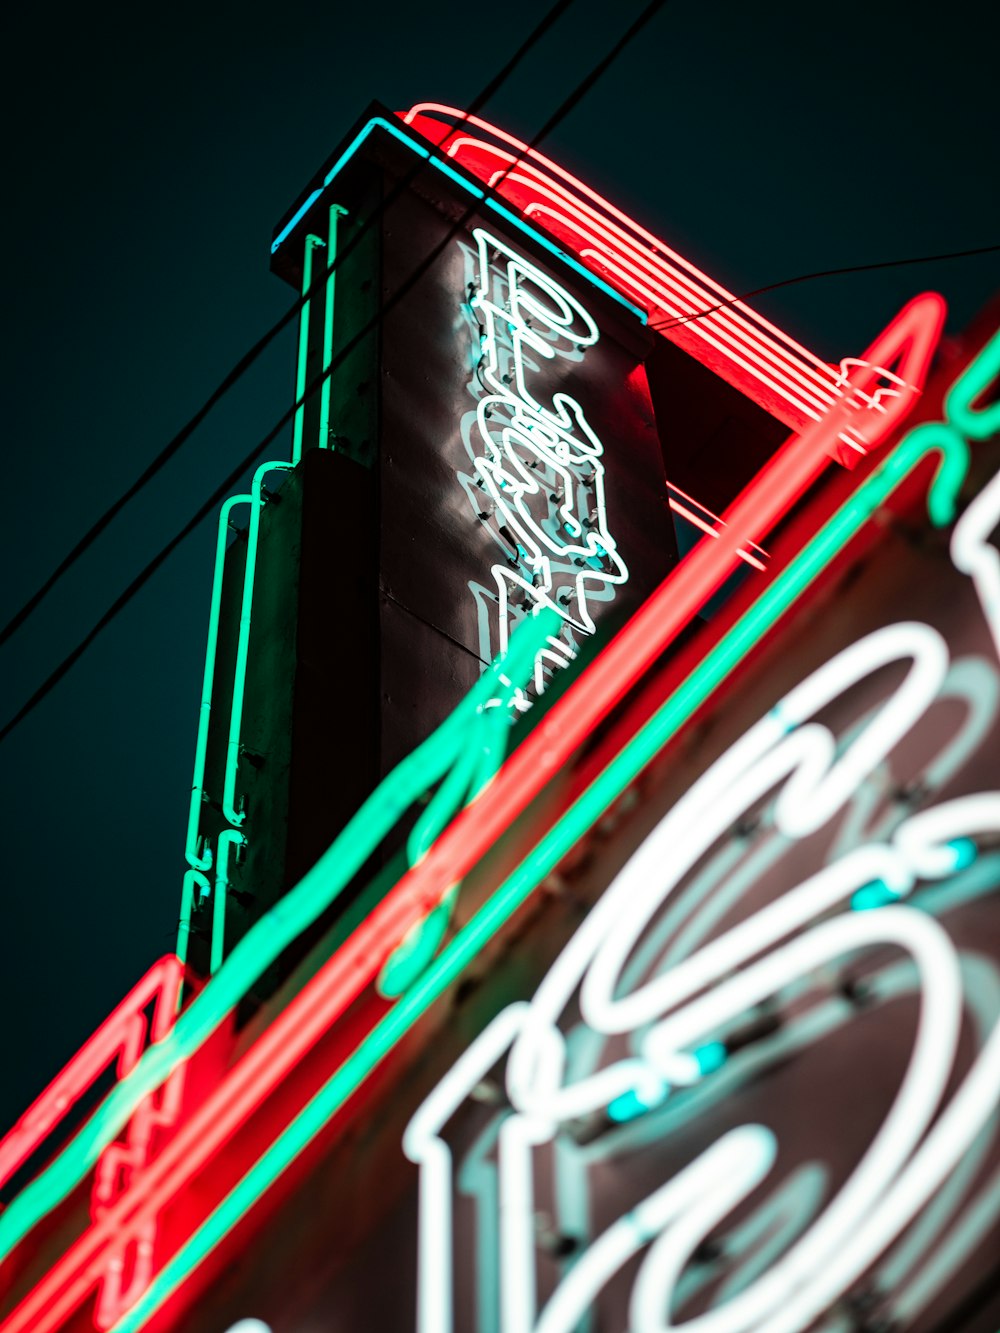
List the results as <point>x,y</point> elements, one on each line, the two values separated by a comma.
<point>601,68</point>
<point>262,343</point>
<point>403,290</point>
<point>660,326</point>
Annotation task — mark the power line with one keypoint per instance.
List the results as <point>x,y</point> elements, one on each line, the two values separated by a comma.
<point>403,290</point>
<point>662,325</point>
<point>250,357</point>
<point>255,351</point>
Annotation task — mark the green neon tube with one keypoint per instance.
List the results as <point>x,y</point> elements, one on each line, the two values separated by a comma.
<point>228,838</point>
<point>331,288</point>
<point>194,882</point>
<point>197,859</point>
<point>593,802</point>
<point>233,815</point>
<point>311,243</point>
<point>959,403</point>
<point>410,779</point>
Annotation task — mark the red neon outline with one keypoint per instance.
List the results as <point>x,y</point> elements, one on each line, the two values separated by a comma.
<point>910,339</point>
<point>122,1033</point>
<point>736,342</point>
<point>114,1175</point>
<point>122,1037</point>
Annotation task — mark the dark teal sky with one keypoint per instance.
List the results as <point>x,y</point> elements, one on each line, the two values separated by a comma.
<point>148,154</point>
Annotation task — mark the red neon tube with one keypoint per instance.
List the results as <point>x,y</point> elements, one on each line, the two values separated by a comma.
<point>122,1034</point>
<point>728,336</point>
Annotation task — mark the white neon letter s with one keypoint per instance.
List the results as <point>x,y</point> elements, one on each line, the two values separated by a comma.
<point>559,312</point>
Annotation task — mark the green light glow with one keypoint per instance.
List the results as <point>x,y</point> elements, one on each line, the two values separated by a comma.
<point>311,244</point>
<point>464,781</point>
<point>880,894</point>
<point>197,859</point>
<point>547,854</point>
<point>872,896</point>
<point>331,286</point>
<point>971,385</point>
<point>284,922</point>
<point>234,816</point>
<point>471,772</point>
<point>228,839</point>
<point>414,955</point>
<point>194,881</point>
<point>965,852</point>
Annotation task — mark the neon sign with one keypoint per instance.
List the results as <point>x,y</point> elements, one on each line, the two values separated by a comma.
<point>540,465</point>
<point>612,252</point>
<point>342,978</point>
<point>425,890</point>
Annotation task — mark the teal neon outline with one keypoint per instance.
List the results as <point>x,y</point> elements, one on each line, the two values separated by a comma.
<point>473,726</point>
<point>330,290</point>
<point>234,816</point>
<point>379,122</point>
<point>228,839</point>
<point>195,859</point>
<point>312,242</point>
<point>975,379</point>
<point>195,885</point>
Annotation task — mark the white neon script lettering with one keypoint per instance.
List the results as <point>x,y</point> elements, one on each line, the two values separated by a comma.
<point>540,463</point>
<point>894,1177</point>
<point>815,774</point>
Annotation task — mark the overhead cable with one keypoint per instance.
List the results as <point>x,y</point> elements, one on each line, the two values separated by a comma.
<point>662,325</point>
<point>253,353</point>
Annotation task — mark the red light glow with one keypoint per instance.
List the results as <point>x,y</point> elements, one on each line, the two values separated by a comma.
<point>755,356</point>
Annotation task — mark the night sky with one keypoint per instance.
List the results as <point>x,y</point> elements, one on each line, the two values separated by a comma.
<point>149,153</point>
